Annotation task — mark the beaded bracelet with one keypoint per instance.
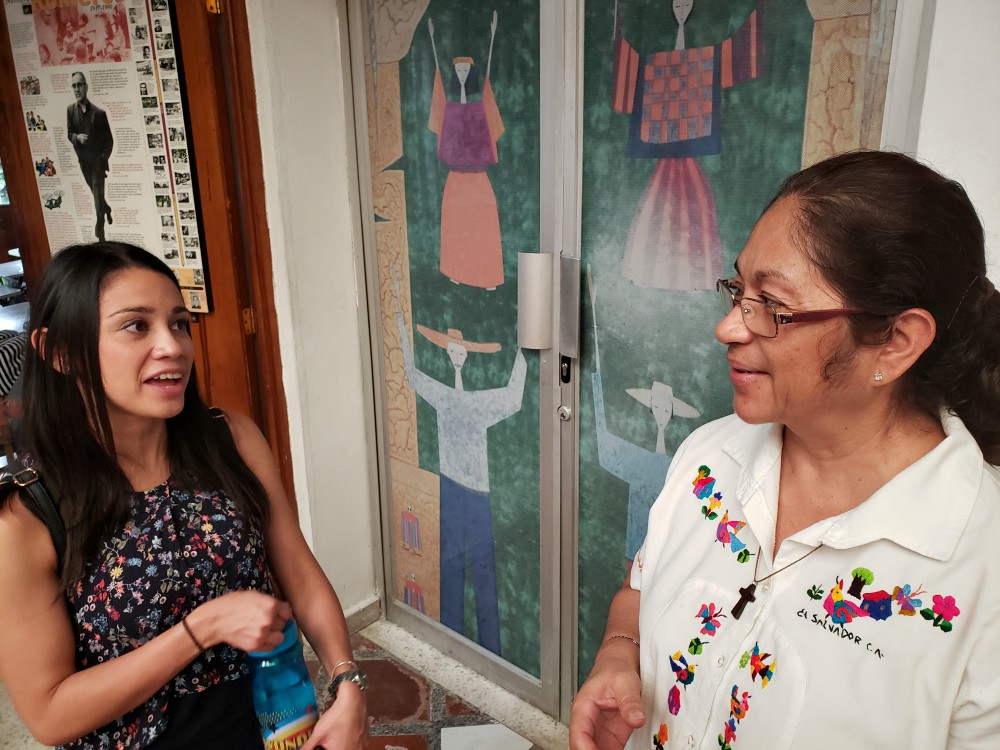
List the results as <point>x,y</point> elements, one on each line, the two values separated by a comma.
<point>184,622</point>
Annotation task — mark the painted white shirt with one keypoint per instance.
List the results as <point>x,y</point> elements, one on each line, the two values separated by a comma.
<point>836,651</point>
<point>464,417</point>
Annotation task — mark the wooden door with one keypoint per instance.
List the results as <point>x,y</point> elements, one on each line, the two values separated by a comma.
<point>236,344</point>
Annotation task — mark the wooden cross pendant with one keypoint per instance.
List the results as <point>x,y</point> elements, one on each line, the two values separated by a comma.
<point>746,595</point>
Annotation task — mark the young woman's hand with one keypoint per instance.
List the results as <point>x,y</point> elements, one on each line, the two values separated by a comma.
<point>344,724</point>
<point>247,620</point>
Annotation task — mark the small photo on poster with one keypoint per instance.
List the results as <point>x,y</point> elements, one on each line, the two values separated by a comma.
<point>31,86</point>
<point>35,122</point>
<point>80,35</point>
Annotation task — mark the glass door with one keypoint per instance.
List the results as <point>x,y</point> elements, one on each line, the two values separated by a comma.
<point>693,113</point>
<point>451,116</point>
<point>639,138</point>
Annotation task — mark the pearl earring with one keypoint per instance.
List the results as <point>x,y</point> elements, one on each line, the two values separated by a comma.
<point>879,377</point>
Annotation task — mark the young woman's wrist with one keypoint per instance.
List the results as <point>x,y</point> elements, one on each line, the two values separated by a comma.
<point>198,625</point>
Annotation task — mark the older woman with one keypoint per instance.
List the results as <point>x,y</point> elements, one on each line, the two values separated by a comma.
<point>815,570</point>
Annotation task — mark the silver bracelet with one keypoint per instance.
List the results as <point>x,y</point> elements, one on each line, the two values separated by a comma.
<point>346,662</point>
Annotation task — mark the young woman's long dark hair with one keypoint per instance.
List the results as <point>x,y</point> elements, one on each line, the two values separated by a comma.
<point>66,430</point>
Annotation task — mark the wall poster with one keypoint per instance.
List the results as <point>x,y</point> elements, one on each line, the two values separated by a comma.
<point>102,98</point>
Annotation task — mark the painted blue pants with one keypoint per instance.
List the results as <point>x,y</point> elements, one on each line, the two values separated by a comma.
<point>467,530</point>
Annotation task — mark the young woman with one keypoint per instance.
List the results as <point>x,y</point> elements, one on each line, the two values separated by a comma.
<point>842,598</point>
<point>176,521</point>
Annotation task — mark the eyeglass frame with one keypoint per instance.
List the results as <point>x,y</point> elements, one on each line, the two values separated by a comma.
<point>782,318</point>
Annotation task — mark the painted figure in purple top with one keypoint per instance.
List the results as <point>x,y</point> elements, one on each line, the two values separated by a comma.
<point>468,127</point>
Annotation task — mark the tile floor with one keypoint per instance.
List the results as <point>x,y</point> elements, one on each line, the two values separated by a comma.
<point>419,699</point>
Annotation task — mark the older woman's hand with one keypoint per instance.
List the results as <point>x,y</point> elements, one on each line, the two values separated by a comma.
<point>608,707</point>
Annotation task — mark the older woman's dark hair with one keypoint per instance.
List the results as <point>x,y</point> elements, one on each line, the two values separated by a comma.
<point>65,428</point>
<point>890,233</point>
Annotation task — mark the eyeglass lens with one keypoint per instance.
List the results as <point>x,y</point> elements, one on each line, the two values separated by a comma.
<point>756,316</point>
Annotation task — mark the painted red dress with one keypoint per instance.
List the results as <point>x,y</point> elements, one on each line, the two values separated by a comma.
<point>471,252</point>
<point>674,101</point>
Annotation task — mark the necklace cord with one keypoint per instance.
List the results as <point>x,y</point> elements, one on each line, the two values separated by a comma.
<point>784,567</point>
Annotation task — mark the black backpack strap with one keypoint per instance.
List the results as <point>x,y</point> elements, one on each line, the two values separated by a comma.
<point>37,499</point>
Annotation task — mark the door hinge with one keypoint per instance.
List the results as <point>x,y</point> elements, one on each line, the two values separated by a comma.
<point>214,6</point>
<point>249,322</point>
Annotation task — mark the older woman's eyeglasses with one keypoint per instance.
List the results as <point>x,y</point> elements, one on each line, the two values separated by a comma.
<point>761,317</point>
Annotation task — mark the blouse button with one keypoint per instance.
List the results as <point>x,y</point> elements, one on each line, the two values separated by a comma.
<point>690,740</point>
<point>765,587</point>
<point>721,661</point>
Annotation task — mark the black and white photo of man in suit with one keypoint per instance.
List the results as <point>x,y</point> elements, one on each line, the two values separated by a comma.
<point>88,130</point>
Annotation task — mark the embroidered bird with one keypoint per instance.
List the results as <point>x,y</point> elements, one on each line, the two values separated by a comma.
<point>841,610</point>
<point>738,707</point>
<point>758,667</point>
<point>727,530</point>
<point>683,672</point>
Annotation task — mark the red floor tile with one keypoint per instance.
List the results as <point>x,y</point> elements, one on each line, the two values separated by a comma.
<point>402,741</point>
<point>454,706</point>
<point>396,695</point>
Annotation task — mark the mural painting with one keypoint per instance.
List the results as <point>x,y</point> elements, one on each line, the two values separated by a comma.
<point>690,124</point>
<point>455,189</point>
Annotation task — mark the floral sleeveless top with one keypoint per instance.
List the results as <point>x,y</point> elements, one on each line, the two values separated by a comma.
<point>177,550</point>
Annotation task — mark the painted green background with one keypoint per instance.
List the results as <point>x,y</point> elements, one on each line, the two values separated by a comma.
<point>652,334</point>
<point>463,29</point>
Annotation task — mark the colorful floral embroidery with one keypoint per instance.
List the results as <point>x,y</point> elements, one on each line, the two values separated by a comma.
<point>713,505</point>
<point>879,605</point>
<point>725,531</point>
<point>942,613</point>
<point>739,702</point>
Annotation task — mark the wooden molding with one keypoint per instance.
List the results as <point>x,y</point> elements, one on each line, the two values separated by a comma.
<point>235,44</point>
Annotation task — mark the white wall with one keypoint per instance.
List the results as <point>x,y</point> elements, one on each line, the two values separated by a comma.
<point>312,215</point>
<point>958,122</point>
<point>315,242</point>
